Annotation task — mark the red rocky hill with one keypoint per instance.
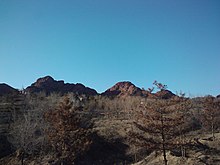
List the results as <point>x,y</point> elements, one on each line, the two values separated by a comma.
<point>48,84</point>
<point>6,89</point>
<point>126,88</point>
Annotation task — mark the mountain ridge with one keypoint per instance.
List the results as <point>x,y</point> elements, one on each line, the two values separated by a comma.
<point>7,89</point>
<point>124,88</point>
<point>49,85</point>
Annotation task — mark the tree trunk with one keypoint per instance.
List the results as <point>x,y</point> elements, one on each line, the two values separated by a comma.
<point>213,134</point>
<point>22,158</point>
<point>183,149</point>
<point>135,157</point>
<point>164,155</point>
<point>163,141</point>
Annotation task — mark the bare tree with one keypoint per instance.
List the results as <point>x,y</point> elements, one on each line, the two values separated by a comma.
<point>211,114</point>
<point>27,132</point>
<point>182,110</point>
<point>157,122</point>
<point>159,85</point>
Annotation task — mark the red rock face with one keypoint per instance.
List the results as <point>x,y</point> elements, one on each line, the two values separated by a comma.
<point>120,89</point>
<point>164,94</point>
<point>125,88</point>
<point>44,82</point>
<point>48,84</point>
<point>6,89</point>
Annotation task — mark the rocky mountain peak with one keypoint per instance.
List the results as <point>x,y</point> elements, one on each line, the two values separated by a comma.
<point>48,84</point>
<point>6,89</point>
<point>44,81</point>
<point>124,88</point>
<point>124,84</point>
<point>164,94</point>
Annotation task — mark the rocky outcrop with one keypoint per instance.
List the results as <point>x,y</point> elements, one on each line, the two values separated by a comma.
<point>48,84</point>
<point>125,88</point>
<point>6,89</point>
<point>164,94</point>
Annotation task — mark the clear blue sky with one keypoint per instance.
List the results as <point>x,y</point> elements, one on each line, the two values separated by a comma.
<point>101,42</point>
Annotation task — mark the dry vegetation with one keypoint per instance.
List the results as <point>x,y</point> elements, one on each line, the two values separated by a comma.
<point>77,129</point>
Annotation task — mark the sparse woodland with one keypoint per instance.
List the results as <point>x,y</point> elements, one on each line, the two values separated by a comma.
<point>77,129</point>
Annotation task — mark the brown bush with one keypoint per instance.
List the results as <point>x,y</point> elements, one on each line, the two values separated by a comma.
<point>67,135</point>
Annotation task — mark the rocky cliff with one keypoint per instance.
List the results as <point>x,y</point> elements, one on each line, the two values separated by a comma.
<point>164,94</point>
<point>125,88</point>
<point>6,89</point>
<point>48,84</point>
